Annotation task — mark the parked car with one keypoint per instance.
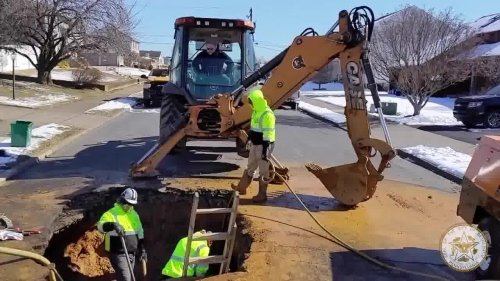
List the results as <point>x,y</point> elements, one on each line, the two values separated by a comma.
<point>481,109</point>
<point>152,87</point>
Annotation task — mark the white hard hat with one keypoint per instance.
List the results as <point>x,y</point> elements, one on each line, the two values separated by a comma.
<point>129,196</point>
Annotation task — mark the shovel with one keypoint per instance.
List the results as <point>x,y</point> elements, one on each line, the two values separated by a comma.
<point>128,260</point>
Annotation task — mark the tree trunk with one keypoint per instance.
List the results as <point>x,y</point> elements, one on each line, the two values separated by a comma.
<point>44,77</point>
<point>416,109</point>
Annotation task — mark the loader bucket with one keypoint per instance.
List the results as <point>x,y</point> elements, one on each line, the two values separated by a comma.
<point>349,183</point>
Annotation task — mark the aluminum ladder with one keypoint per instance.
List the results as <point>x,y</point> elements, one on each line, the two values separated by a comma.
<point>228,237</point>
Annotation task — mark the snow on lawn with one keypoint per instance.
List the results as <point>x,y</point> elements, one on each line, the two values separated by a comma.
<point>38,135</point>
<point>127,71</point>
<point>68,76</point>
<point>438,111</point>
<point>330,89</point>
<point>322,112</point>
<point>121,103</point>
<point>443,158</point>
<point>38,100</point>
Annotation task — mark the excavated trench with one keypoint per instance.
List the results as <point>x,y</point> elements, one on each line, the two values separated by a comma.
<point>77,248</point>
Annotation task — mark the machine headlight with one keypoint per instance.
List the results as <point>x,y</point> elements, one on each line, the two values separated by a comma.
<point>475,104</point>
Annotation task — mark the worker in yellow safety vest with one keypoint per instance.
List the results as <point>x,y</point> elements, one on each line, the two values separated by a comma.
<point>122,221</point>
<point>262,136</point>
<point>175,265</point>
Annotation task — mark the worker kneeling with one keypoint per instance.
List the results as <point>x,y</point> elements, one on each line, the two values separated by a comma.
<point>261,140</point>
<point>175,265</point>
<point>122,224</point>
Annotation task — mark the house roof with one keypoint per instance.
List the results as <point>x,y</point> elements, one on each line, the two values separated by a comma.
<point>485,24</point>
<point>485,50</point>
<point>151,54</point>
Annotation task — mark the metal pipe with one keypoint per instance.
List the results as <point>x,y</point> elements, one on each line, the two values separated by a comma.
<point>376,98</point>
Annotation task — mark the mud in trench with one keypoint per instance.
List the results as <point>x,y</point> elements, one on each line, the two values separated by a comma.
<point>77,247</point>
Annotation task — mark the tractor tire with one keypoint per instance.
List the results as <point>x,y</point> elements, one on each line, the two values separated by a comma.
<point>172,118</point>
<point>490,269</point>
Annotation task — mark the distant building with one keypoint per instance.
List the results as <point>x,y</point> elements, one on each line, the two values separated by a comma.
<point>20,62</point>
<point>112,57</point>
<point>151,58</point>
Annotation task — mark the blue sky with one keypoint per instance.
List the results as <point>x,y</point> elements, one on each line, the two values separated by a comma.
<point>278,21</point>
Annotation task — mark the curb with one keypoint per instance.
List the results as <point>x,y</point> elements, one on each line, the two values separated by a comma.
<point>22,166</point>
<point>428,166</point>
<point>400,153</point>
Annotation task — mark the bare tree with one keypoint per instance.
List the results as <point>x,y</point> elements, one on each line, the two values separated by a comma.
<point>416,51</point>
<point>54,30</point>
<point>328,74</point>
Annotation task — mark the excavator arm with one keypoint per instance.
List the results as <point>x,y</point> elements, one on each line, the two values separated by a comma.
<point>308,54</point>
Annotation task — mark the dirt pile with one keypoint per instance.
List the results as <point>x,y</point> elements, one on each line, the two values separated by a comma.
<point>87,255</point>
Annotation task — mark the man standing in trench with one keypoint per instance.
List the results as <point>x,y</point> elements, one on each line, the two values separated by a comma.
<point>261,137</point>
<point>123,221</point>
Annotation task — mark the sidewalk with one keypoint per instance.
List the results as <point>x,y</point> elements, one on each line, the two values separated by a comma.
<point>406,139</point>
<point>71,114</point>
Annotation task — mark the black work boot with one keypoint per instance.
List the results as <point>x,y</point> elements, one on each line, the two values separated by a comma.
<point>244,183</point>
<point>261,197</point>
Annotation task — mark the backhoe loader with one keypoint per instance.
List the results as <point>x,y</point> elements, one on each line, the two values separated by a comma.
<point>214,105</point>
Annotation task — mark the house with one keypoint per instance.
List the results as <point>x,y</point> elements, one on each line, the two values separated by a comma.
<point>113,57</point>
<point>20,62</point>
<point>484,44</point>
<point>151,58</point>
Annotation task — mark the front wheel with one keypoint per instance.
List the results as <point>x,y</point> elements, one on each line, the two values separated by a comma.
<point>492,119</point>
<point>490,267</point>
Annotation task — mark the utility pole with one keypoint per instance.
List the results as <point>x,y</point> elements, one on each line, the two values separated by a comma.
<point>13,57</point>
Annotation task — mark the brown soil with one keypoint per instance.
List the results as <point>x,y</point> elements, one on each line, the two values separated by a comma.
<point>87,255</point>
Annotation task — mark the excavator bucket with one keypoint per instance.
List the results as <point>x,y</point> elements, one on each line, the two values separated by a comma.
<point>349,183</point>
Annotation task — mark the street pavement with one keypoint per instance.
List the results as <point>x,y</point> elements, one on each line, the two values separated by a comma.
<point>461,133</point>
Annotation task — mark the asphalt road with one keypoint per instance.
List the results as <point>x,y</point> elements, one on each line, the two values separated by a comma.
<point>103,155</point>
<point>461,133</point>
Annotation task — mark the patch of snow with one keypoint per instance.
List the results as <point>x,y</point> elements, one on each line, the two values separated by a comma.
<point>443,158</point>
<point>322,112</point>
<point>38,135</point>
<point>39,100</point>
<point>127,71</point>
<point>438,111</point>
<point>121,103</point>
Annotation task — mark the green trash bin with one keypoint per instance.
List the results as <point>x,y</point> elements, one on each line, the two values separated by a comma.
<point>20,133</point>
<point>389,108</point>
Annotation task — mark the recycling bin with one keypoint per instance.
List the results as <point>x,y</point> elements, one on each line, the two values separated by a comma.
<point>20,133</point>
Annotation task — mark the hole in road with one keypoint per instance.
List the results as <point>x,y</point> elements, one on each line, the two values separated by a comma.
<point>77,247</point>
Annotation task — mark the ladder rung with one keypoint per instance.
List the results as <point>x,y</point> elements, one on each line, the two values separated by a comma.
<point>209,259</point>
<point>211,236</point>
<point>213,211</point>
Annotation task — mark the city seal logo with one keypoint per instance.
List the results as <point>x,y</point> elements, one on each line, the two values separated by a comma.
<point>463,248</point>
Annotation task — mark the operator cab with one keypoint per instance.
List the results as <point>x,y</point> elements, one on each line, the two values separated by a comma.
<point>211,56</point>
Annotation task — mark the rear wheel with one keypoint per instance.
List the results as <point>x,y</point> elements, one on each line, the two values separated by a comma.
<point>490,267</point>
<point>172,118</point>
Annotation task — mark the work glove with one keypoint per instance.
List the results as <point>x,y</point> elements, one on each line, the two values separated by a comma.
<point>119,229</point>
<point>143,255</point>
<point>265,148</point>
